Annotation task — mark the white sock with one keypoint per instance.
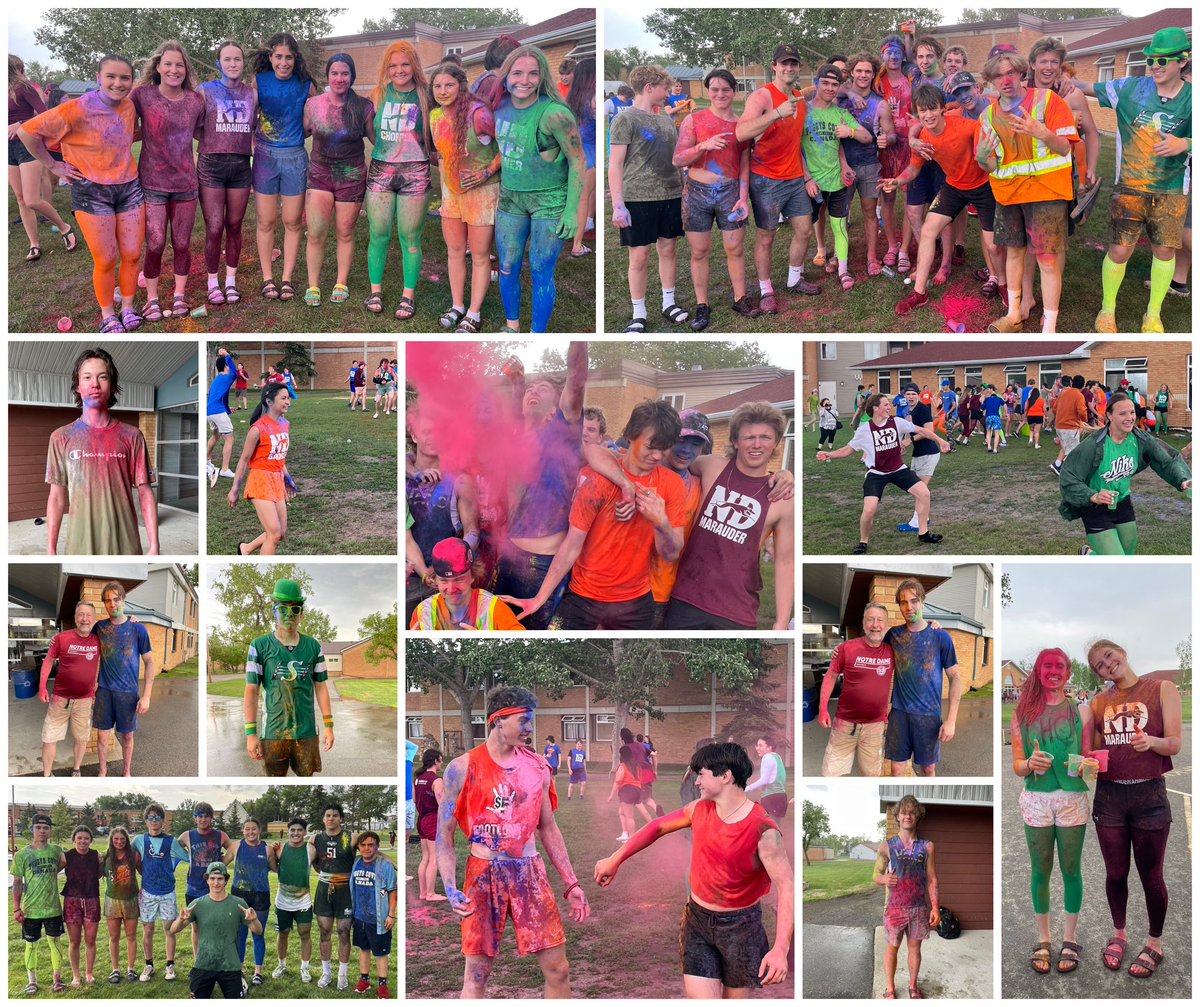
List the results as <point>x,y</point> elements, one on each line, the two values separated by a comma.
<point>343,967</point>
<point>326,967</point>
<point>459,307</point>
<point>639,307</point>
<point>212,280</point>
<point>993,278</point>
<point>1014,303</point>
<point>795,275</point>
<point>231,277</point>
<point>915,520</point>
<point>668,297</point>
<point>1049,320</point>
<point>473,315</point>
<point>764,287</point>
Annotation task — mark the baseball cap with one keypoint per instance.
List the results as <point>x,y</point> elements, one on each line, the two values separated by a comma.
<point>1002,49</point>
<point>785,52</point>
<point>43,820</point>
<point>695,424</point>
<point>961,79</point>
<point>452,557</point>
<point>912,386</point>
<point>216,867</point>
<point>830,71</point>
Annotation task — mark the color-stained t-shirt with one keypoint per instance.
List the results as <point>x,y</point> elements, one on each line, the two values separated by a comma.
<point>1059,733</point>
<point>820,145</point>
<point>280,110</point>
<point>1143,120</point>
<point>38,869</point>
<point>500,807</point>
<point>94,136</point>
<point>614,564</point>
<point>921,660</point>
<point>335,855</point>
<point>726,870</point>
<point>121,877</point>
<point>727,162</point>
<point>121,649</point>
<point>83,873</point>
<point>294,868</point>
<point>228,118</point>
<point>167,163</point>
<point>880,445</point>
<point>250,868</point>
<point>270,454</point>
<point>217,926</point>
<point>1018,177</point>
<point>908,864</point>
<point>480,146</point>
<point>370,885</point>
<point>78,664</point>
<point>577,759</point>
<point>954,151</point>
<point>1118,465</point>
<point>286,676</point>
<point>338,131</point>
<point>921,415</point>
<point>160,855</point>
<point>399,128</point>
<point>663,574</point>
<point>858,154</point>
<point>866,680</point>
<point>100,466</point>
<point>546,503</point>
<point>204,848</point>
<point>649,142</point>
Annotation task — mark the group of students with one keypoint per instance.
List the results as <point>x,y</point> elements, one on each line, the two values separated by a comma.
<point>1022,158</point>
<point>512,169</point>
<point>356,894</point>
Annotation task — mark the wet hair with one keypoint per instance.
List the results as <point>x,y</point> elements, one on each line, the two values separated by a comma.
<point>864,57</point>
<point>909,801</point>
<point>333,806</point>
<point>642,76</point>
<point>754,412</point>
<point>991,69</point>
<point>112,58</point>
<point>597,414</point>
<point>261,58</point>
<point>910,584</point>
<point>1047,44</point>
<point>96,353</point>
<point>150,73</point>
<point>498,50</point>
<point>298,821</point>
<point>154,807</point>
<point>270,390</point>
<point>581,96</point>
<point>929,97</point>
<point>723,757</point>
<point>203,808</point>
<point>357,107</point>
<point>658,416</point>
<point>112,585</point>
<point>546,87</point>
<point>1032,701</point>
<point>931,42</point>
<point>367,835</point>
<point>722,74</point>
<point>503,697</point>
<point>428,758</point>
<point>82,828</point>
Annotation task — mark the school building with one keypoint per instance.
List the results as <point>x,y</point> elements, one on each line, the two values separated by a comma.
<point>333,359</point>
<point>692,712</point>
<point>348,659</point>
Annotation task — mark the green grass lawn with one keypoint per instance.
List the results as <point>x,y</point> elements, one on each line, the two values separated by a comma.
<point>61,284</point>
<point>234,690</point>
<point>983,504</point>
<point>985,692</point>
<point>831,879</point>
<point>345,467</point>
<point>188,669</point>
<point>1006,716</point>
<point>869,306</point>
<point>377,692</point>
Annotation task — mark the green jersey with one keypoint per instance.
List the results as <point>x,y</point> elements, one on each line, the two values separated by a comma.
<point>1117,467</point>
<point>820,145</point>
<point>39,870</point>
<point>1143,119</point>
<point>286,676</point>
<point>217,926</point>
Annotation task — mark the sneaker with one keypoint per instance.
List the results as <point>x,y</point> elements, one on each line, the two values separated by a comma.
<point>1152,323</point>
<point>802,286</point>
<point>226,474</point>
<point>257,979</point>
<point>147,974</point>
<point>1038,447</point>
<point>213,475</point>
<point>1004,444</point>
<point>767,305</point>
<point>170,973</point>
<point>280,971</point>
<point>305,973</point>
<point>131,975</point>
<point>382,992</point>
<point>913,299</point>
<point>1085,550</point>
<point>1055,467</point>
<point>1106,321</point>
<point>743,307</point>
<point>930,538</point>
<point>343,983</point>
<point>114,977</point>
<point>623,837</point>
<point>210,468</point>
<point>245,987</point>
<point>906,527</point>
<point>362,986</point>
<point>325,980</point>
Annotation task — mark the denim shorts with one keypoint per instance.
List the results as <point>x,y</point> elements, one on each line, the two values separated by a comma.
<point>224,171</point>
<point>115,708</point>
<point>280,171</point>
<point>106,200</point>
<point>922,189</point>
<point>913,736</point>
<point>772,197</point>
<point>706,203</point>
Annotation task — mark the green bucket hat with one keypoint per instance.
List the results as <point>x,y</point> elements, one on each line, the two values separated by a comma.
<point>288,592</point>
<point>1169,42</point>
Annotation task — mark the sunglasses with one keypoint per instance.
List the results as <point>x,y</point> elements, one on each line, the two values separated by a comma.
<point>289,609</point>
<point>154,818</point>
<point>1162,60</point>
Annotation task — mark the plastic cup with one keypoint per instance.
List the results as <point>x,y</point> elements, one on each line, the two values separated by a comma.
<point>1101,757</point>
<point>1074,761</point>
<point>200,312</point>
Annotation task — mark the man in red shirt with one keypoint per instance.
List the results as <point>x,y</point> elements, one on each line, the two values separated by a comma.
<point>77,652</point>
<point>737,854</point>
<point>866,665</point>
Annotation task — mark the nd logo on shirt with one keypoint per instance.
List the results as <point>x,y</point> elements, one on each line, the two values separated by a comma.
<point>1122,720</point>
<point>398,117</point>
<point>1122,468</point>
<point>885,438</point>
<point>279,447</point>
<point>233,115</point>
<point>732,509</point>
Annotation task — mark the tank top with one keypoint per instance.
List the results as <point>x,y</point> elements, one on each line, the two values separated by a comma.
<point>726,871</point>
<point>859,154</point>
<point>522,167</point>
<point>908,864</point>
<point>776,154</point>
<point>281,110</point>
<point>399,128</point>
<point>158,863</point>
<point>205,850</point>
<point>476,155</point>
<point>719,573</point>
<point>780,784</point>
<point>423,796</point>
<point>500,807</point>
<point>335,857</point>
<point>1059,733</point>
<point>83,875</point>
<point>271,453</point>
<point>250,868</point>
<point>293,871</point>
<point>1118,712</point>
<point>727,163</point>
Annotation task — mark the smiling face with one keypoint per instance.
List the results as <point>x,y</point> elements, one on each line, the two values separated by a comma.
<point>233,62</point>
<point>926,58</point>
<point>524,79</point>
<point>1053,671</point>
<point>251,833</point>
<point>1046,68</point>
<point>1168,74</point>
<point>787,71</point>
<point>216,883</point>
<point>893,55</point>
<point>862,74</point>
<point>685,451</point>
<point>516,729</point>
<point>283,61</point>
<point>118,841</point>
<point>540,397</point>
<point>400,72</point>
<point>445,89</point>
<point>711,786</point>
<point>906,817</point>
<point>882,411</point>
<point>279,403</point>
<point>82,842</point>
<point>875,625</point>
<point>456,590</point>
<point>204,820</point>
<point>1108,662</point>
<point>911,606</point>
<point>85,619</point>
<point>172,69</point>
<point>952,62</point>
<point>339,78</point>
<point>116,80</point>
<point>827,89</point>
<point>720,94</point>
<point>761,747</point>
<point>296,834</point>
<point>933,120</point>
<point>1122,417</point>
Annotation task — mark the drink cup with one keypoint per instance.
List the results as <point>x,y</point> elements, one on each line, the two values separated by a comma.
<point>1101,757</point>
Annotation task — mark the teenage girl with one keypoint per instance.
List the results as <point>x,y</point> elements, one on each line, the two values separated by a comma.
<point>121,865</point>
<point>262,469</point>
<point>581,99</point>
<point>81,903</point>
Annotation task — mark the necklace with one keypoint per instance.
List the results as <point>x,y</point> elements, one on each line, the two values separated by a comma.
<point>735,811</point>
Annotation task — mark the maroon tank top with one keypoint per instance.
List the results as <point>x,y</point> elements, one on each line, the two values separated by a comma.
<point>424,799</point>
<point>1118,713</point>
<point>719,573</point>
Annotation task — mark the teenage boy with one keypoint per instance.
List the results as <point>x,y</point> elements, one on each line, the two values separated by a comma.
<point>577,763</point>
<point>36,903</point>
<point>925,453</point>
<point>93,466</point>
<point>217,411</point>
<point>373,890</point>
<point>77,652</point>
<point>292,861</point>
<point>161,854</point>
<point>875,116</point>
<point>205,845</point>
<point>124,649</point>
<point>332,904</point>
<point>214,919</point>
<point>459,605</point>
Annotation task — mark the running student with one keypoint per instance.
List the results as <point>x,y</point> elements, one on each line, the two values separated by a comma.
<point>36,904</point>
<point>77,652</point>
<point>95,132</point>
<point>161,853</point>
<point>926,453</point>
<point>1095,479</point>
<point>428,790</point>
<point>214,919</point>
<point>772,779</point>
<point>223,169</point>
<point>218,416</point>
<point>262,469</point>
<point>251,884</point>
<point>332,903</point>
<point>577,763</point>
<point>866,665</point>
<point>879,441</point>
<point>292,861</point>
<point>373,889</point>
<point>81,902</point>
<point>737,854</point>
<point>124,646</point>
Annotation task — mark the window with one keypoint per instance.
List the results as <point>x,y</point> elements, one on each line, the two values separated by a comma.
<point>829,351</point>
<point>904,376</point>
<point>789,446</point>
<point>452,50</point>
<point>973,375</point>
<point>885,382</point>
<point>478,730</point>
<point>194,380</point>
<point>1105,69</point>
<point>872,350</point>
<point>1048,373</point>
<point>1014,374</point>
<point>1135,63</point>
<point>414,728</point>
<point>945,374</point>
<point>574,728</point>
<point>412,686</point>
<point>602,726</point>
<point>675,400</point>
<point>1133,368</point>
<point>178,457</point>
<point>987,651</point>
<point>987,595</point>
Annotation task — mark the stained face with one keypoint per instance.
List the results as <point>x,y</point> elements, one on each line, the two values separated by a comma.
<point>524,78</point>
<point>456,590</point>
<point>114,604</point>
<point>1008,81</point>
<point>172,69</point>
<point>445,89</point>
<point>288,615</point>
<point>926,58</point>
<point>541,397</point>
<point>95,380</point>
<point>339,78</point>
<point>641,454</point>
<point>911,606</point>
<point>367,848</point>
<point>893,55</point>
<point>283,61</point>
<point>1053,671</point>
<point>116,80</point>
<point>685,451</point>
<point>967,97</point>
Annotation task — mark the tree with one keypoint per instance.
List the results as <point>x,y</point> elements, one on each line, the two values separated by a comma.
<point>666,356</point>
<point>382,628</point>
<point>193,574</point>
<point>297,359</point>
<point>1082,676</point>
<point>447,18</point>
<point>79,36</point>
<point>231,821</point>
<point>183,815</point>
<point>815,823</point>
<point>64,823</point>
<point>1006,598</point>
<point>979,15</point>
<point>1183,650</point>
<point>39,73</point>
<point>245,592</point>
<point>88,816</point>
<point>616,60</point>
<point>119,802</point>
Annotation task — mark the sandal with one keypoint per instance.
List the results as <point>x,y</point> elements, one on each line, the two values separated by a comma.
<point>914,993</point>
<point>860,549</point>
<point>469,324</point>
<point>451,317</point>
<point>406,309</point>
<point>819,259</point>
<point>232,294</point>
<point>35,253</point>
<point>287,290</point>
<point>1114,951</point>
<point>312,297</point>
<point>180,306</point>
<point>1148,960</point>
<point>152,310</point>
<point>675,314</point>
<point>1068,955</point>
<point>374,303</point>
<point>889,994</point>
<point>846,280</point>
<point>991,288</point>
<point>130,319</point>
<point>70,239</point>
<point>1039,958</point>
<point>216,295</point>
<point>270,291</point>
<point>831,266</point>
<point>583,253</point>
<point>889,258</point>
<point>31,989</point>
<point>340,293</point>
<point>637,325</point>
<point>874,267</point>
<point>111,326</point>
<point>903,262</point>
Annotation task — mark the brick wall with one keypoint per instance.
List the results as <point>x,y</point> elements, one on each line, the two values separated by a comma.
<point>170,647</point>
<point>617,401</point>
<point>720,436</point>
<point>332,367</point>
<point>355,664</point>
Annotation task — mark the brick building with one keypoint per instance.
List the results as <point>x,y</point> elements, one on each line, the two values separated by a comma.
<point>781,393</point>
<point>332,358</point>
<point>829,367</point>
<point>692,712</point>
<point>356,665</point>
<point>169,605</point>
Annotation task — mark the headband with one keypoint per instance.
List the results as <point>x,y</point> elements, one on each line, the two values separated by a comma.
<point>508,711</point>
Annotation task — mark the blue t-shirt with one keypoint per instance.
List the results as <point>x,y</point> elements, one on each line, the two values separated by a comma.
<point>218,391</point>
<point>410,754</point>
<point>280,110</point>
<point>552,753</point>
<point>992,405</point>
<point>362,891</point>
<point>160,856</point>
<point>578,758</point>
<point>121,649</point>
<point>1025,395</point>
<point>921,659</point>
<point>901,404</point>
<point>948,403</point>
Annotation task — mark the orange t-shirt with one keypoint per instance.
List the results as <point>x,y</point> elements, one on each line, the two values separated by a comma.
<point>95,137</point>
<point>954,151</point>
<point>1070,411</point>
<point>615,562</point>
<point>1020,147</point>
<point>1037,408</point>
<point>271,453</point>
<point>662,573</point>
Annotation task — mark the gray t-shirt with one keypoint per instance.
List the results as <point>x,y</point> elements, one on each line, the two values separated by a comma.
<point>650,144</point>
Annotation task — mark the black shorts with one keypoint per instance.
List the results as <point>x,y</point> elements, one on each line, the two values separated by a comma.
<point>877,482</point>
<point>1134,805</point>
<point>1035,421</point>
<point>577,612</point>
<point>31,930</point>
<point>1097,519</point>
<point>922,189</point>
<point>224,171</point>
<point>728,946</point>
<point>365,938</point>
<point>681,615</point>
<point>260,902</point>
<point>103,200</point>
<point>652,219</point>
<point>18,153</point>
<point>333,901</point>
<point>202,981</point>
<point>950,202</point>
<point>837,204</point>
<point>629,794</point>
<point>167,198</point>
<point>775,805</point>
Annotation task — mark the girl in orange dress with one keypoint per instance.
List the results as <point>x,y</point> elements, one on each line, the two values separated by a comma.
<point>262,469</point>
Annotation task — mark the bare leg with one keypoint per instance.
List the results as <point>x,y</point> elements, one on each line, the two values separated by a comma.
<point>553,963</point>
<point>481,266</point>
<point>700,245</point>
<point>475,976</point>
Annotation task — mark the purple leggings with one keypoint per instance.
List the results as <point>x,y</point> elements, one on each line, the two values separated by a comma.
<point>182,217</point>
<point>1149,847</point>
<point>224,210</point>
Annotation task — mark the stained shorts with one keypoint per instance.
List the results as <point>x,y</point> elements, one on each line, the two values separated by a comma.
<point>332,901</point>
<point>847,740</point>
<point>1135,805</point>
<point>1161,216</point>
<point>224,171</point>
<point>346,180</point>
<point>578,612</point>
<point>913,736</point>
<point>925,186</point>
<point>301,755</point>
<point>914,919</point>
<point>78,911</point>
<point>264,485</point>
<point>546,204</point>
<point>284,918</point>
<point>159,198</point>
<point>1098,519</point>
<point>280,171</point>
<point>115,709</point>
<point>728,946</point>
<point>157,907</point>
<point>866,180</point>
<point>474,207</point>
<point>707,202</point>
<point>31,930</point>
<point>103,200</point>
<point>404,178</point>
<point>775,197</point>
<point>520,574</point>
<point>836,203</point>
<point>1041,227</point>
<point>518,888</point>
<point>121,909</point>
<point>1067,808</point>
<point>60,712</point>
<point>18,153</point>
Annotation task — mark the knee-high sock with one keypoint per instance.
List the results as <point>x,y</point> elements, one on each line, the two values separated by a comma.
<point>31,957</point>
<point>1162,271</point>
<point>841,239</point>
<point>55,954</point>
<point>1111,275</point>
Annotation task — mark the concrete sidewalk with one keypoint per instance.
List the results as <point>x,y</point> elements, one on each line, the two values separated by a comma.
<point>960,969</point>
<point>178,534</point>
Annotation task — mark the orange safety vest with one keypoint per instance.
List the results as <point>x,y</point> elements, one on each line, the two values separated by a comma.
<point>434,613</point>
<point>1028,170</point>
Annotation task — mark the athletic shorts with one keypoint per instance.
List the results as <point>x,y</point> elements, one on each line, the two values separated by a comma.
<point>60,712</point>
<point>1041,227</point>
<point>876,482</point>
<point>837,203</point>
<point>1066,808</point>
<point>913,736</point>
<point>775,805</point>
<point>1160,216</point>
<point>347,181</point>
<point>681,615</point>
<point>728,946</point>
<point>224,171</point>
<point>280,171</point>
<point>577,612</point>
<point>301,755</point>
<point>31,930</point>
<point>1141,805</point>
<point>157,907</point>
<point>630,794</point>
<point>474,207</point>
<point>706,203</point>
<point>264,485</point>
<point>115,709</point>
<point>913,919</point>
<point>365,938</point>
<point>993,423</point>
<point>102,200</point>
<point>333,901</point>
<point>1068,440</point>
<point>652,219</point>
<point>518,888</point>
<point>866,180</point>
<point>159,198</point>
<point>1097,519</point>
<point>772,198</point>
<point>578,776</point>
<point>260,902</point>
<point>1035,421</point>
<point>404,178</point>
<point>221,424</point>
<point>18,153</point>
<point>847,740</point>
<point>78,911</point>
<point>121,909</point>
<point>427,826</point>
<point>202,981</point>
<point>284,918</point>
<point>925,465</point>
<point>950,202</point>
<point>924,188</point>
<point>410,814</point>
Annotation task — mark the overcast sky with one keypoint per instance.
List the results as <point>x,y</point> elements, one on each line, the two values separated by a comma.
<point>1144,607</point>
<point>780,350</point>
<point>853,806</point>
<point>172,794</point>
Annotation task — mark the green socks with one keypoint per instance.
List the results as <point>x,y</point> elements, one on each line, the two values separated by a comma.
<point>1112,274</point>
<point>841,239</point>
<point>1161,273</point>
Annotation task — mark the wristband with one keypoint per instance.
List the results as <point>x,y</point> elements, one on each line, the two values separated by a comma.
<point>329,722</point>
<point>251,729</point>
<point>570,889</point>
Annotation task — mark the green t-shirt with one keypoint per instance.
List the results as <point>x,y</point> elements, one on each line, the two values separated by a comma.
<point>1143,119</point>
<point>1117,467</point>
<point>217,924</point>
<point>649,142</point>
<point>399,128</point>
<point>286,676</point>
<point>1059,733</point>
<point>820,145</point>
<point>1161,400</point>
<point>39,870</point>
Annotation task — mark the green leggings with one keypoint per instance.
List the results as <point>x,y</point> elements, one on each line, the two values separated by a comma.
<point>1041,843</point>
<point>1119,541</point>
<point>409,215</point>
<point>31,955</point>
<point>841,239</point>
